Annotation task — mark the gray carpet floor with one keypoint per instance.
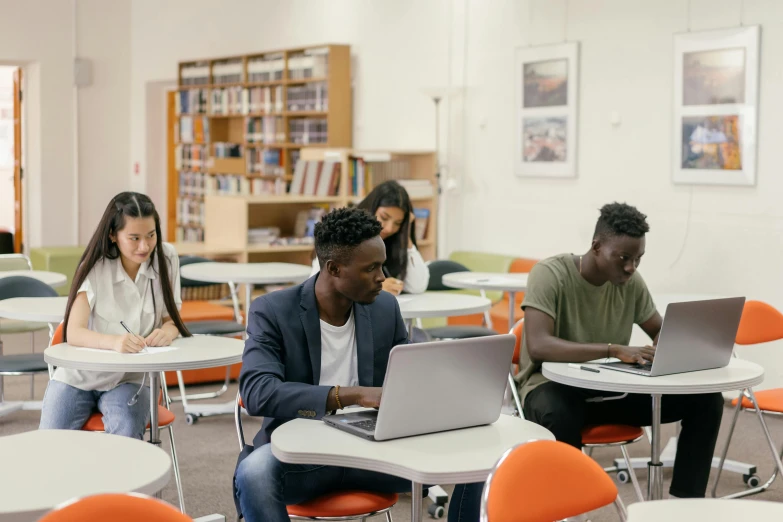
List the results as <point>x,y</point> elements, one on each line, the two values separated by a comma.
<point>207,452</point>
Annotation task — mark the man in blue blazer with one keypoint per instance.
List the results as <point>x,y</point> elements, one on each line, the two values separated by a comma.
<point>315,348</point>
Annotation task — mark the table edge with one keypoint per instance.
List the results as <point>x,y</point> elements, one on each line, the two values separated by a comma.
<point>145,368</point>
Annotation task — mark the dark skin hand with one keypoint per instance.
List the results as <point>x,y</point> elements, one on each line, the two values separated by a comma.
<point>609,260</point>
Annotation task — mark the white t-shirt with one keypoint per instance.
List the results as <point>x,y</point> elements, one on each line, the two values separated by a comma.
<point>113,297</point>
<point>339,362</point>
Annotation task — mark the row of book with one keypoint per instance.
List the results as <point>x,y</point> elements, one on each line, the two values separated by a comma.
<point>308,97</point>
<point>305,131</point>
<point>189,234</point>
<point>418,188</point>
<point>190,157</point>
<point>194,74</point>
<point>266,129</point>
<point>242,100</point>
<point>262,235</point>
<point>192,183</point>
<point>190,211</point>
<point>191,101</point>
<point>421,223</point>
<point>313,63</point>
<point>230,71</point>
<point>193,129</point>
<point>227,150</point>
<point>234,185</point>
<point>364,175</point>
<point>316,178</point>
<point>265,162</point>
<point>267,68</point>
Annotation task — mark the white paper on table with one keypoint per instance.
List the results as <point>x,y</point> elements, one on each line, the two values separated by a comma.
<point>150,350</point>
<point>496,280</point>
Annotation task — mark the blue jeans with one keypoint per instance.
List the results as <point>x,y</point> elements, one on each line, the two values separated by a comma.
<point>68,408</point>
<point>265,486</point>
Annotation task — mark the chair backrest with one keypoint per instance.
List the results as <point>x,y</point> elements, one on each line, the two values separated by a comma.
<point>522,265</point>
<point>21,286</point>
<point>760,323</point>
<point>545,480</point>
<point>517,331</point>
<point>116,507</point>
<point>57,337</point>
<point>14,262</point>
<point>190,260</point>
<point>440,268</point>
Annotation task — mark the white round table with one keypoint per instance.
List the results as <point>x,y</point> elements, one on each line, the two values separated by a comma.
<point>712,509</point>
<point>248,274</point>
<point>44,309</point>
<point>53,279</point>
<point>44,468</point>
<point>451,457</point>
<point>192,353</point>
<point>511,283</point>
<point>737,375</point>
<point>433,304</point>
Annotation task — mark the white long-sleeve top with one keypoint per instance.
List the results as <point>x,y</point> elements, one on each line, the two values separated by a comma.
<point>417,278</point>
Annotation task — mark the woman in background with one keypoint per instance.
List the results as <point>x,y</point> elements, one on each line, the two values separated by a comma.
<point>405,268</point>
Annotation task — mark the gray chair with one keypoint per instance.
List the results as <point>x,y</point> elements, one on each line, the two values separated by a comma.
<point>27,364</point>
<point>438,269</point>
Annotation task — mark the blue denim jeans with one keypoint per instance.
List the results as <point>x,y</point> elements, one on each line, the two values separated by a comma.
<point>265,486</point>
<point>68,408</point>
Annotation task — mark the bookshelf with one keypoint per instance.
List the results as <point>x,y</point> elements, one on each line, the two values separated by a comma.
<point>237,125</point>
<point>231,219</point>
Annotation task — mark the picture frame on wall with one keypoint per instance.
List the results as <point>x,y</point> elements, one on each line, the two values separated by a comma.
<point>716,82</point>
<point>546,81</point>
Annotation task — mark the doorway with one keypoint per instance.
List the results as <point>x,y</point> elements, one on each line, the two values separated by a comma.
<point>11,231</point>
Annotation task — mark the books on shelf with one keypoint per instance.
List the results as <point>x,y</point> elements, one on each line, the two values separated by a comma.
<point>266,129</point>
<point>308,97</point>
<point>236,185</point>
<point>418,188</point>
<point>316,178</point>
<point>267,68</point>
<point>229,100</point>
<point>312,63</point>
<point>191,101</point>
<point>190,157</point>
<point>422,216</point>
<point>307,131</point>
<point>194,74</point>
<point>265,162</point>
<point>262,235</point>
<point>193,129</point>
<point>185,234</point>
<point>364,174</point>
<point>265,99</point>
<point>228,71</point>
<point>227,150</point>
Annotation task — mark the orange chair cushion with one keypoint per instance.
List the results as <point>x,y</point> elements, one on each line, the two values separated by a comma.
<point>205,311</point>
<point>769,400</point>
<point>499,314</point>
<point>610,434</point>
<point>344,504</point>
<point>95,422</point>
<point>547,480</point>
<point>117,507</point>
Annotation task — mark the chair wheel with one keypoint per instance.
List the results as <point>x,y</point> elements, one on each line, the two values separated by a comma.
<point>191,419</point>
<point>623,477</point>
<point>752,481</point>
<point>436,511</point>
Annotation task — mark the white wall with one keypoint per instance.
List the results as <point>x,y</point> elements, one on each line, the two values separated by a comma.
<point>63,206</point>
<point>7,148</point>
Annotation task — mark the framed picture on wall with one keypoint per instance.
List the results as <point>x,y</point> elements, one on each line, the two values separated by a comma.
<point>716,81</point>
<point>546,81</point>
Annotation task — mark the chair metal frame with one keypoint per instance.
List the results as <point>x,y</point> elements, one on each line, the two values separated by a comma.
<point>241,436</point>
<point>484,514</point>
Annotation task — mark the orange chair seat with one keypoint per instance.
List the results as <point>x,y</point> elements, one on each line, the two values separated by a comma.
<point>344,504</point>
<point>769,400</point>
<point>205,311</point>
<point>95,422</point>
<point>610,434</point>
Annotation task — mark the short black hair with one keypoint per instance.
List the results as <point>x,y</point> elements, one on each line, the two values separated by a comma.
<point>620,219</point>
<point>341,231</point>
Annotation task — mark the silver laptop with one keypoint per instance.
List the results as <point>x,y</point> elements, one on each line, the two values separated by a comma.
<point>695,335</point>
<point>437,386</point>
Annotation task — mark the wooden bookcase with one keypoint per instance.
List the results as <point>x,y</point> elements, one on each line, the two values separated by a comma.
<point>247,145</point>
<point>228,219</point>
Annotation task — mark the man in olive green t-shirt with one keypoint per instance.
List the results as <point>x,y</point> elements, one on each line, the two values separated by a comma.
<point>582,307</point>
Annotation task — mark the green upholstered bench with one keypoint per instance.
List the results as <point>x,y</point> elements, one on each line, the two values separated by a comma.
<point>63,259</point>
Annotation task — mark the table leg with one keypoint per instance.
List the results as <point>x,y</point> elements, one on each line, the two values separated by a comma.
<point>655,466</point>
<point>409,325</point>
<point>512,297</point>
<point>154,424</point>
<point>416,501</point>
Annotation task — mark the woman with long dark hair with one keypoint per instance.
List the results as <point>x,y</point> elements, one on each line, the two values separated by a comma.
<point>406,271</point>
<point>125,276</point>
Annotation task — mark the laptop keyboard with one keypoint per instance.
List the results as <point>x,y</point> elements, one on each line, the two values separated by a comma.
<point>646,366</point>
<point>368,425</point>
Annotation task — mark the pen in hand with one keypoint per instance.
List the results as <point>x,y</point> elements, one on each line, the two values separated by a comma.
<point>143,342</point>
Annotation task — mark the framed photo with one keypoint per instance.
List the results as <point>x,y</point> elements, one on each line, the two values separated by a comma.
<point>716,81</point>
<point>546,81</point>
